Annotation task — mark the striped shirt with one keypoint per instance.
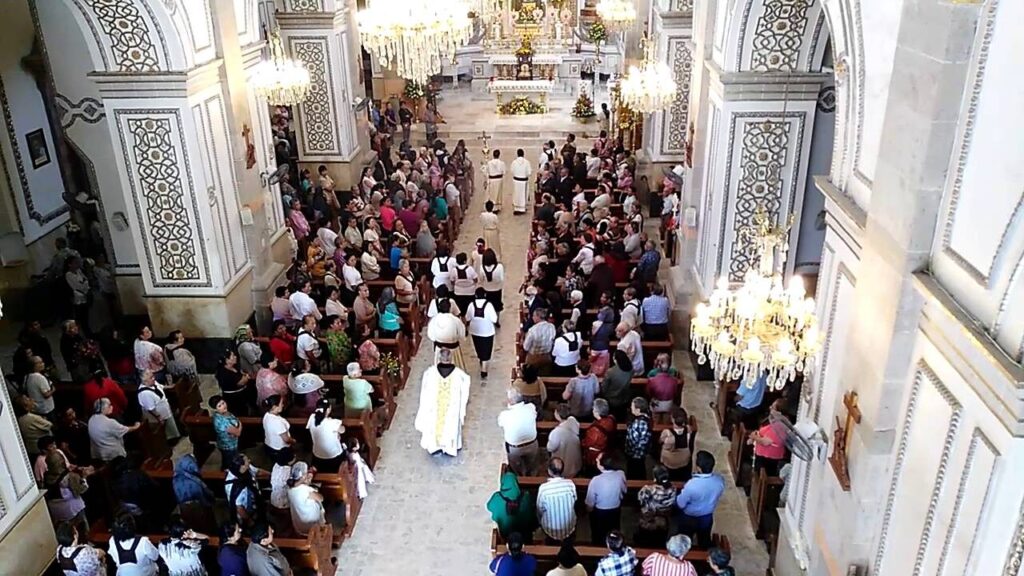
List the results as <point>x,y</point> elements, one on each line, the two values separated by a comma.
<point>556,508</point>
<point>664,565</point>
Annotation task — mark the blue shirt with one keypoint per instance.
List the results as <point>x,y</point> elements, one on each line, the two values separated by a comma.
<point>231,558</point>
<point>750,397</point>
<point>656,310</point>
<point>396,257</point>
<point>505,565</point>
<point>700,495</point>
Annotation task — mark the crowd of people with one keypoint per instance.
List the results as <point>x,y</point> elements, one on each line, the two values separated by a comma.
<point>591,300</point>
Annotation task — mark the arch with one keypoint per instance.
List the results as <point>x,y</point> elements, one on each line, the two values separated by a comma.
<point>790,36</point>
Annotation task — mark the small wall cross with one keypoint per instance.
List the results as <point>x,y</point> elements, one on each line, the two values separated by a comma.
<point>841,447</point>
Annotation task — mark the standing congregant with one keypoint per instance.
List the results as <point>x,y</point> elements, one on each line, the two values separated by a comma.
<point>443,399</point>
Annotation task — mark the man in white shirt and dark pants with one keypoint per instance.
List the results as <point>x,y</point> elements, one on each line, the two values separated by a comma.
<point>521,172</point>
<point>496,180</point>
<point>156,409</point>
<point>302,304</point>
<point>482,317</point>
<point>519,427</point>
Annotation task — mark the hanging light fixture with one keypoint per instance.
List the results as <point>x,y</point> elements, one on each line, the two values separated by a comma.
<point>649,87</point>
<point>414,36</point>
<point>617,14</point>
<point>281,80</point>
<point>760,326</point>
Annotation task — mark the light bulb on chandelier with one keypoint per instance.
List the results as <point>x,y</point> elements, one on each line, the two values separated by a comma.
<point>279,79</point>
<point>414,36</point>
<point>649,87</point>
<point>617,14</point>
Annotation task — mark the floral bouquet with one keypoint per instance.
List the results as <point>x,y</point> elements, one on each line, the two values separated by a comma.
<point>414,90</point>
<point>584,107</point>
<point>597,32</point>
<point>520,107</point>
<point>390,365</point>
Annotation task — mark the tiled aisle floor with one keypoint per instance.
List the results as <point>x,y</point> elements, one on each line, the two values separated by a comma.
<point>426,514</point>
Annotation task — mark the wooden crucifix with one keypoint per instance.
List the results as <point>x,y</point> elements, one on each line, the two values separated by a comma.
<point>250,148</point>
<point>840,448</point>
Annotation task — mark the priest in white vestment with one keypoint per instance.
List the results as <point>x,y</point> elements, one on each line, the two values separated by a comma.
<point>444,394</point>
<point>496,179</point>
<point>447,331</point>
<point>521,172</point>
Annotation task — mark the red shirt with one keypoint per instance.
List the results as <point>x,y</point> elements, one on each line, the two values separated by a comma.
<point>596,439</point>
<point>283,348</point>
<point>387,218</point>
<point>663,386</point>
<point>620,268</point>
<point>107,388</point>
<point>775,451</point>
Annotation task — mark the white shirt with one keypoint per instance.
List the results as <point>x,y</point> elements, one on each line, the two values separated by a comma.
<point>326,437</point>
<point>279,476</point>
<point>521,168</point>
<point>106,437</point>
<point>631,313</point>
<point>273,427</point>
<point>307,346</point>
<point>451,195</point>
<point>630,344</point>
<point>545,157</point>
<point>335,308</point>
<point>326,237</point>
<point>593,167</point>
<point>563,355</point>
<point>585,258</point>
<point>497,280</point>
<point>303,305</point>
<point>432,308</point>
<point>481,326</point>
<point>463,286</point>
<point>155,404</point>
<point>519,423</point>
<point>306,512</point>
<point>668,205</point>
<point>146,556</point>
<point>446,329</point>
<point>440,275</point>
<point>496,167</point>
<point>352,277</point>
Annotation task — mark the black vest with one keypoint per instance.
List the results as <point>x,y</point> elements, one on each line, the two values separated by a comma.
<point>67,563</point>
<point>127,555</point>
<point>443,265</point>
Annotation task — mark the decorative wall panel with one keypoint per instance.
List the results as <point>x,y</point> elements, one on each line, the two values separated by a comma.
<point>88,110</point>
<point>318,135</point>
<point>676,120</point>
<point>129,39</point>
<point>778,36</point>
<point>164,197</point>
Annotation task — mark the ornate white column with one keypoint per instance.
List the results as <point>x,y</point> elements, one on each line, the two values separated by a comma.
<point>323,35</point>
<point>26,535</point>
<point>672,31</point>
<point>174,149</point>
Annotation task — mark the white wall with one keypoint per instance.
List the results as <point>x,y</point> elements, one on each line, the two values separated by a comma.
<point>37,191</point>
<point>809,246</point>
<point>979,247</point>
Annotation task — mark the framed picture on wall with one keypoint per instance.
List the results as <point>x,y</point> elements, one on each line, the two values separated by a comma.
<point>37,150</point>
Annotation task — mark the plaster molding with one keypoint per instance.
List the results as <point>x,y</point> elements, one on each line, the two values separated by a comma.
<point>962,157</point>
<point>978,440</point>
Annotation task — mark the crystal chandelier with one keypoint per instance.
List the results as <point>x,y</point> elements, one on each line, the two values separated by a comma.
<point>281,80</point>
<point>617,14</point>
<point>760,326</point>
<point>650,87</point>
<point>414,36</point>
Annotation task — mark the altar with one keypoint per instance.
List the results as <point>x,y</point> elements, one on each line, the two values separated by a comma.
<point>522,89</point>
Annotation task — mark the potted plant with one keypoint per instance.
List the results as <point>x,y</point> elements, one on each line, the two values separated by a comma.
<point>583,109</point>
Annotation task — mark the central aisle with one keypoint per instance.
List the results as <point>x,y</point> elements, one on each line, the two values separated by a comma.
<point>425,515</point>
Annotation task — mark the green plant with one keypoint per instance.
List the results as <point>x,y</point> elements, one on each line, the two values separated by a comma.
<point>520,107</point>
<point>414,90</point>
<point>389,364</point>
<point>597,32</point>
<point>584,107</point>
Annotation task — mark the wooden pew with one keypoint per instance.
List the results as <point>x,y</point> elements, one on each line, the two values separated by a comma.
<point>201,431</point>
<point>337,487</point>
<point>312,552</point>
<point>726,399</point>
<point>544,428</point>
<point>396,346</point>
<point>764,498</point>
<point>651,349</point>
<point>383,389</point>
<point>556,385</point>
<point>740,454</point>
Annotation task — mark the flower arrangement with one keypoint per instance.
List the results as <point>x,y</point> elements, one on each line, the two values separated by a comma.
<point>414,90</point>
<point>389,364</point>
<point>520,107</point>
<point>597,32</point>
<point>584,107</point>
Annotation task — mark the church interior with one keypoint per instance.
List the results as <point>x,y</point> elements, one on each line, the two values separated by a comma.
<point>519,287</point>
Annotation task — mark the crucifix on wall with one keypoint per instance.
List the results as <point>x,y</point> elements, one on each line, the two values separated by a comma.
<point>840,449</point>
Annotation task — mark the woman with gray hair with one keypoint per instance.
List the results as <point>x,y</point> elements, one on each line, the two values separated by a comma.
<point>674,563</point>
<point>106,435</point>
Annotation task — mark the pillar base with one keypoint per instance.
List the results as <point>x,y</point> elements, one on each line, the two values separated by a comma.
<point>202,317</point>
<point>28,546</point>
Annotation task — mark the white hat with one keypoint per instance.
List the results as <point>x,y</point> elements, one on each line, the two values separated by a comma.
<point>354,369</point>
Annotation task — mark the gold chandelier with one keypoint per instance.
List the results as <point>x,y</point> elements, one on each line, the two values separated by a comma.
<point>281,80</point>
<point>414,36</point>
<point>650,87</point>
<point>759,326</point>
<point>617,14</point>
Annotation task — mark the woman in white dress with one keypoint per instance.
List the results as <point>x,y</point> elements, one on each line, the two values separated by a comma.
<point>149,356</point>
<point>180,552</point>
<point>307,505</point>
